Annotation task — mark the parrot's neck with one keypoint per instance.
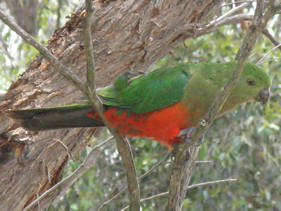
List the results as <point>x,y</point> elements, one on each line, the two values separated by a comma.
<point>199,96</point>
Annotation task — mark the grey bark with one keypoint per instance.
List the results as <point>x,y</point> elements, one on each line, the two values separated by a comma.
<point>128,36</point>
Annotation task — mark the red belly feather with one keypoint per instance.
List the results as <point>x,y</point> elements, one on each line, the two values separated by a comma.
<point>162,125</point>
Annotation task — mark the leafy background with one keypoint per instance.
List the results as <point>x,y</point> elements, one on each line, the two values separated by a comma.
<point>243,144</point>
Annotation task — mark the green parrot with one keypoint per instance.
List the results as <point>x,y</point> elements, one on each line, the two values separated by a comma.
<point>157,105</point>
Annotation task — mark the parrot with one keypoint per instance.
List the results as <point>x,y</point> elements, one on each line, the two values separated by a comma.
<point>157,105</point>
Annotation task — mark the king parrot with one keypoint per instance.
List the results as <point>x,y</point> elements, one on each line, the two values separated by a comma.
<point>157,105</point>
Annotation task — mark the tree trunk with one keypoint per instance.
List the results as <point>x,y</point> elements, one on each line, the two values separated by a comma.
<point>128,36</point>
<point>25,13</point>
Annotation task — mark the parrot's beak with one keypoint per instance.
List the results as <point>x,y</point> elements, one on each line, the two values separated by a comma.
<point>263,96</point>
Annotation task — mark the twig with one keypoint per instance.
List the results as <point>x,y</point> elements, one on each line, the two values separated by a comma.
<point>271,38</point>
<point>265,55</point>
<point>215,24</point>
<point>233,19</point>
<point>38,205</point>
<point>115,196</point>
<point>62,69</point>
<point>189,187</point>
<point>89,49</point>
<point>236,2</point>
<point>4,47</point>
<point>149,198</point>
<point>68,181</point>
<point>155,166</point>
<point>123,145</point>
<point>66,148</point>
<point>210,183</point>
<point>63,145</point>
<point>58,13</point>
<point>203,161</point>
<point>182,166</point>
<point>230,12</point>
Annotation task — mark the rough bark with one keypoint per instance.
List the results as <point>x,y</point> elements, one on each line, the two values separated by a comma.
<point>128,36</point>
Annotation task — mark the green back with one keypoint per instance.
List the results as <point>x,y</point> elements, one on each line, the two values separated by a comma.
<point>156,90</point>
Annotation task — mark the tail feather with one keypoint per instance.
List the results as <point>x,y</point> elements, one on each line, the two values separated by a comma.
<point>72,116</point>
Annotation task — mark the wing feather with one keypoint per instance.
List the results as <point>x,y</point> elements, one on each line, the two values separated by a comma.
<point>156,90</point>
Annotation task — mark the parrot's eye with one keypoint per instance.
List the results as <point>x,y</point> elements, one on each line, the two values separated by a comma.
<point>251,82</point>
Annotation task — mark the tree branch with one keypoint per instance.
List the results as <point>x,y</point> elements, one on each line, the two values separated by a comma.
<point>236,2</point>
<point>267,53</point>
<point>123,145</point>
<point>214,25</point>
<point>155,166</point>
<point>271,38</point>
<point>65,184</point>
<point>182,166</point>
<point>58,14</point>
<point>189,187</point>
<point>230,12</point>
<point>210,183</point>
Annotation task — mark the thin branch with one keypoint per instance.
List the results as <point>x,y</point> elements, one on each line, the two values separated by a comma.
<point>216,24</point>
<point>62,69</point>
<point>89,52</point>
<point>65,147</point>
<point>123,145</point>
<point>149,198</point>
<point>89,49</point>
<point>68,181</point>
<point>38,205</point>
<point>189,187</point>
<point>4,46</point>
<point>236,2</point>
<point>182,166</point>
<point>265,55</point>
<point>234,19</point>
<point>210,183</point>
<point>204,161</point>
<point>155,166</point>
<point>58,13</point>
<point>115,196</point>
<point>230,12</point>
<point>271,38</point>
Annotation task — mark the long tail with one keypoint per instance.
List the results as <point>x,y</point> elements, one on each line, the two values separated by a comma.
<point>71,116</point>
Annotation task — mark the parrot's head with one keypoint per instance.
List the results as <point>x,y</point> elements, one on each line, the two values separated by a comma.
<point>253,84</point>
<point>208,80</point>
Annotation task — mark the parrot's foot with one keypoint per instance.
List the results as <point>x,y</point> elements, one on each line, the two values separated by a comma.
<point>186,134</point>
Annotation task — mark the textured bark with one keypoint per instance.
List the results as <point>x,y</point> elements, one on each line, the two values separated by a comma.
<point>182,169</point>
<point>128,36</point>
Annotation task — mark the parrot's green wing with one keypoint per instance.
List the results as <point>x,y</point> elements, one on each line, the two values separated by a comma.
<point>156,90</point>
